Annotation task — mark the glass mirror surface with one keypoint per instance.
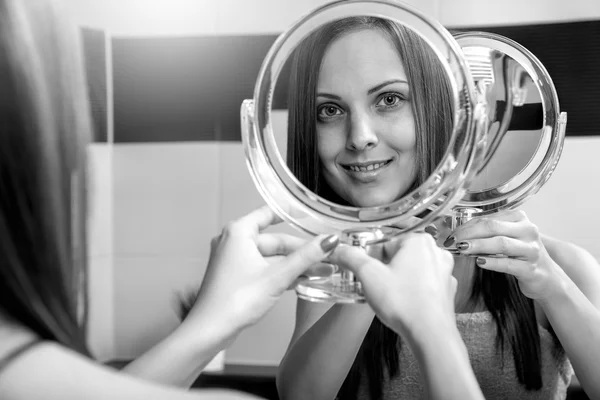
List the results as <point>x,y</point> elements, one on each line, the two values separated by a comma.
<point>368,111</point>
<point>515,115</point>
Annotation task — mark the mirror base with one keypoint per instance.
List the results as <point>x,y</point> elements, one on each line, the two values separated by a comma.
<point>330,289</point>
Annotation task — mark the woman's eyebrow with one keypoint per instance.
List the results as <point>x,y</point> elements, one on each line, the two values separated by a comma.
<point>329,96</point>
<point>384,84</point>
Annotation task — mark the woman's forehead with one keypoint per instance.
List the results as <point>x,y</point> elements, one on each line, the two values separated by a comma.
<point>362,59</point>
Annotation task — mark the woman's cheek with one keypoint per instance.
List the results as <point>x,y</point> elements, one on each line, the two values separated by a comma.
<point>329,147</point>
<point>403,137</point>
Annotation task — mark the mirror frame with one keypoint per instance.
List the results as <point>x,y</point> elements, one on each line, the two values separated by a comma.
<point>305,210</point>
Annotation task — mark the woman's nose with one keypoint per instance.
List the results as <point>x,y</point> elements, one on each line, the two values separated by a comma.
<point>361,133</point>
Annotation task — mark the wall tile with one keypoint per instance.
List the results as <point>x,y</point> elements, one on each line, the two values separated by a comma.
<point>266,342</point>
<point>101,321</point>
<point>146,298</point>
<point>166,198</point>
<point>100,200</point>
<point>567,207</point>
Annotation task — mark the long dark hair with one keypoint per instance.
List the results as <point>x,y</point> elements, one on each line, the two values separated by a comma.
<point>432,107</point>
<point>44,129</point>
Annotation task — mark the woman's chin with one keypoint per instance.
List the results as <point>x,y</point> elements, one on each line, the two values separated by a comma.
<point>372,201</point>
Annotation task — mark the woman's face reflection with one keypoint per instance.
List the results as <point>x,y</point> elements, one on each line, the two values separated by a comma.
<point>365,125</point>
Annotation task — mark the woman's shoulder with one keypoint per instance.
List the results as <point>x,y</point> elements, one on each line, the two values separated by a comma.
<point>14,339</point>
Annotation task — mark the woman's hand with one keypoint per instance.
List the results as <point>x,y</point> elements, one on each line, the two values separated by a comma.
<point>248,270</point>
<point>508,242</point>
<point>414,291</point>
<point>247,273</point>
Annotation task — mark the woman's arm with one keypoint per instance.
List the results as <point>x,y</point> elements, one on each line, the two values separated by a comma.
<point>414,296</point>
<point>322,350</point>
<point>180,358</point>
<point>443,360</point>
<point>50,372</point>
<point>574,311</point>
<point>562,278</point>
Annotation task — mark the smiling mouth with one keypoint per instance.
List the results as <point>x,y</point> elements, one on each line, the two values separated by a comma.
<point>366,167</point>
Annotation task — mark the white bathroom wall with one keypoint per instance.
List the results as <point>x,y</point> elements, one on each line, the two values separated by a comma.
<point>193,17</point>
<point>567,206</point>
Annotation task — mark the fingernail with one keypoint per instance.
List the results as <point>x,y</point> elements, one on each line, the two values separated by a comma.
<point>462,245</point>
<point>329,243</point>
<point>432,230</point>
<point>449,242</point>
<point>480,261</point>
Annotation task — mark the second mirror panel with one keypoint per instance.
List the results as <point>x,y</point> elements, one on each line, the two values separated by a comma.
<point>515,117</point>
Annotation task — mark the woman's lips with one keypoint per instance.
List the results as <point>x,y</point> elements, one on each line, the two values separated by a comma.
<point>366,172</point>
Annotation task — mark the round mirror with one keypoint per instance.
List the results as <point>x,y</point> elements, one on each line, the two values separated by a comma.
<point>364,121</point>
<point>525,127</point>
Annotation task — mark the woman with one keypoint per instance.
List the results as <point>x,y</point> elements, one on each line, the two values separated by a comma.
<point>369,147</point>
<point>45,124</point>
<point>44,131</point>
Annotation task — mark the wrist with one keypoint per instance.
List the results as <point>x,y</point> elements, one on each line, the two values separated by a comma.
<point>428,327</point>
<point>434,336</point>
<point>204,331</point>
<point>559,292</point>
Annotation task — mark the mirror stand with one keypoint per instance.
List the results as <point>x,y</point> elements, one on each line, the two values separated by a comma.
<point>460,216</point>
<point>343,286</point>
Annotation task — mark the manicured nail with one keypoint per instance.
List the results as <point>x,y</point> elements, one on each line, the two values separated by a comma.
<point>480,261</point>
<point>329,243</point>
<point>462,245</point>
<point>432,230</point>
<point>449,242</point>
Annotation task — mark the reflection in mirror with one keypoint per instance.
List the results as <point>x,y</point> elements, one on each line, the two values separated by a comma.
<point>369,111</point>
<point>515,115</point>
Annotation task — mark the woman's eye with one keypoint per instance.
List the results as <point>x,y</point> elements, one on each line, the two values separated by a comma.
<point>390,100</point>
<point>328,111</point>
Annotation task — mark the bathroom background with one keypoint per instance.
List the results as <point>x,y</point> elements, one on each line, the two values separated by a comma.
<point>167,79</point>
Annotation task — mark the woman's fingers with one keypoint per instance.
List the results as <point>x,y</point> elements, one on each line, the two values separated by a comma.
<point>356,260</point>
<point>278,244</point>
<point>506,265</point>
<point>253,222</point>
<point>512,224</point>
<point>487,228</point>
<point>497,245</point>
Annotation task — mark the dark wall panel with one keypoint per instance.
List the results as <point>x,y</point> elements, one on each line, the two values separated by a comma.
<point>571,54</point>
<point>184,89</point>
<point>191,88</point>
